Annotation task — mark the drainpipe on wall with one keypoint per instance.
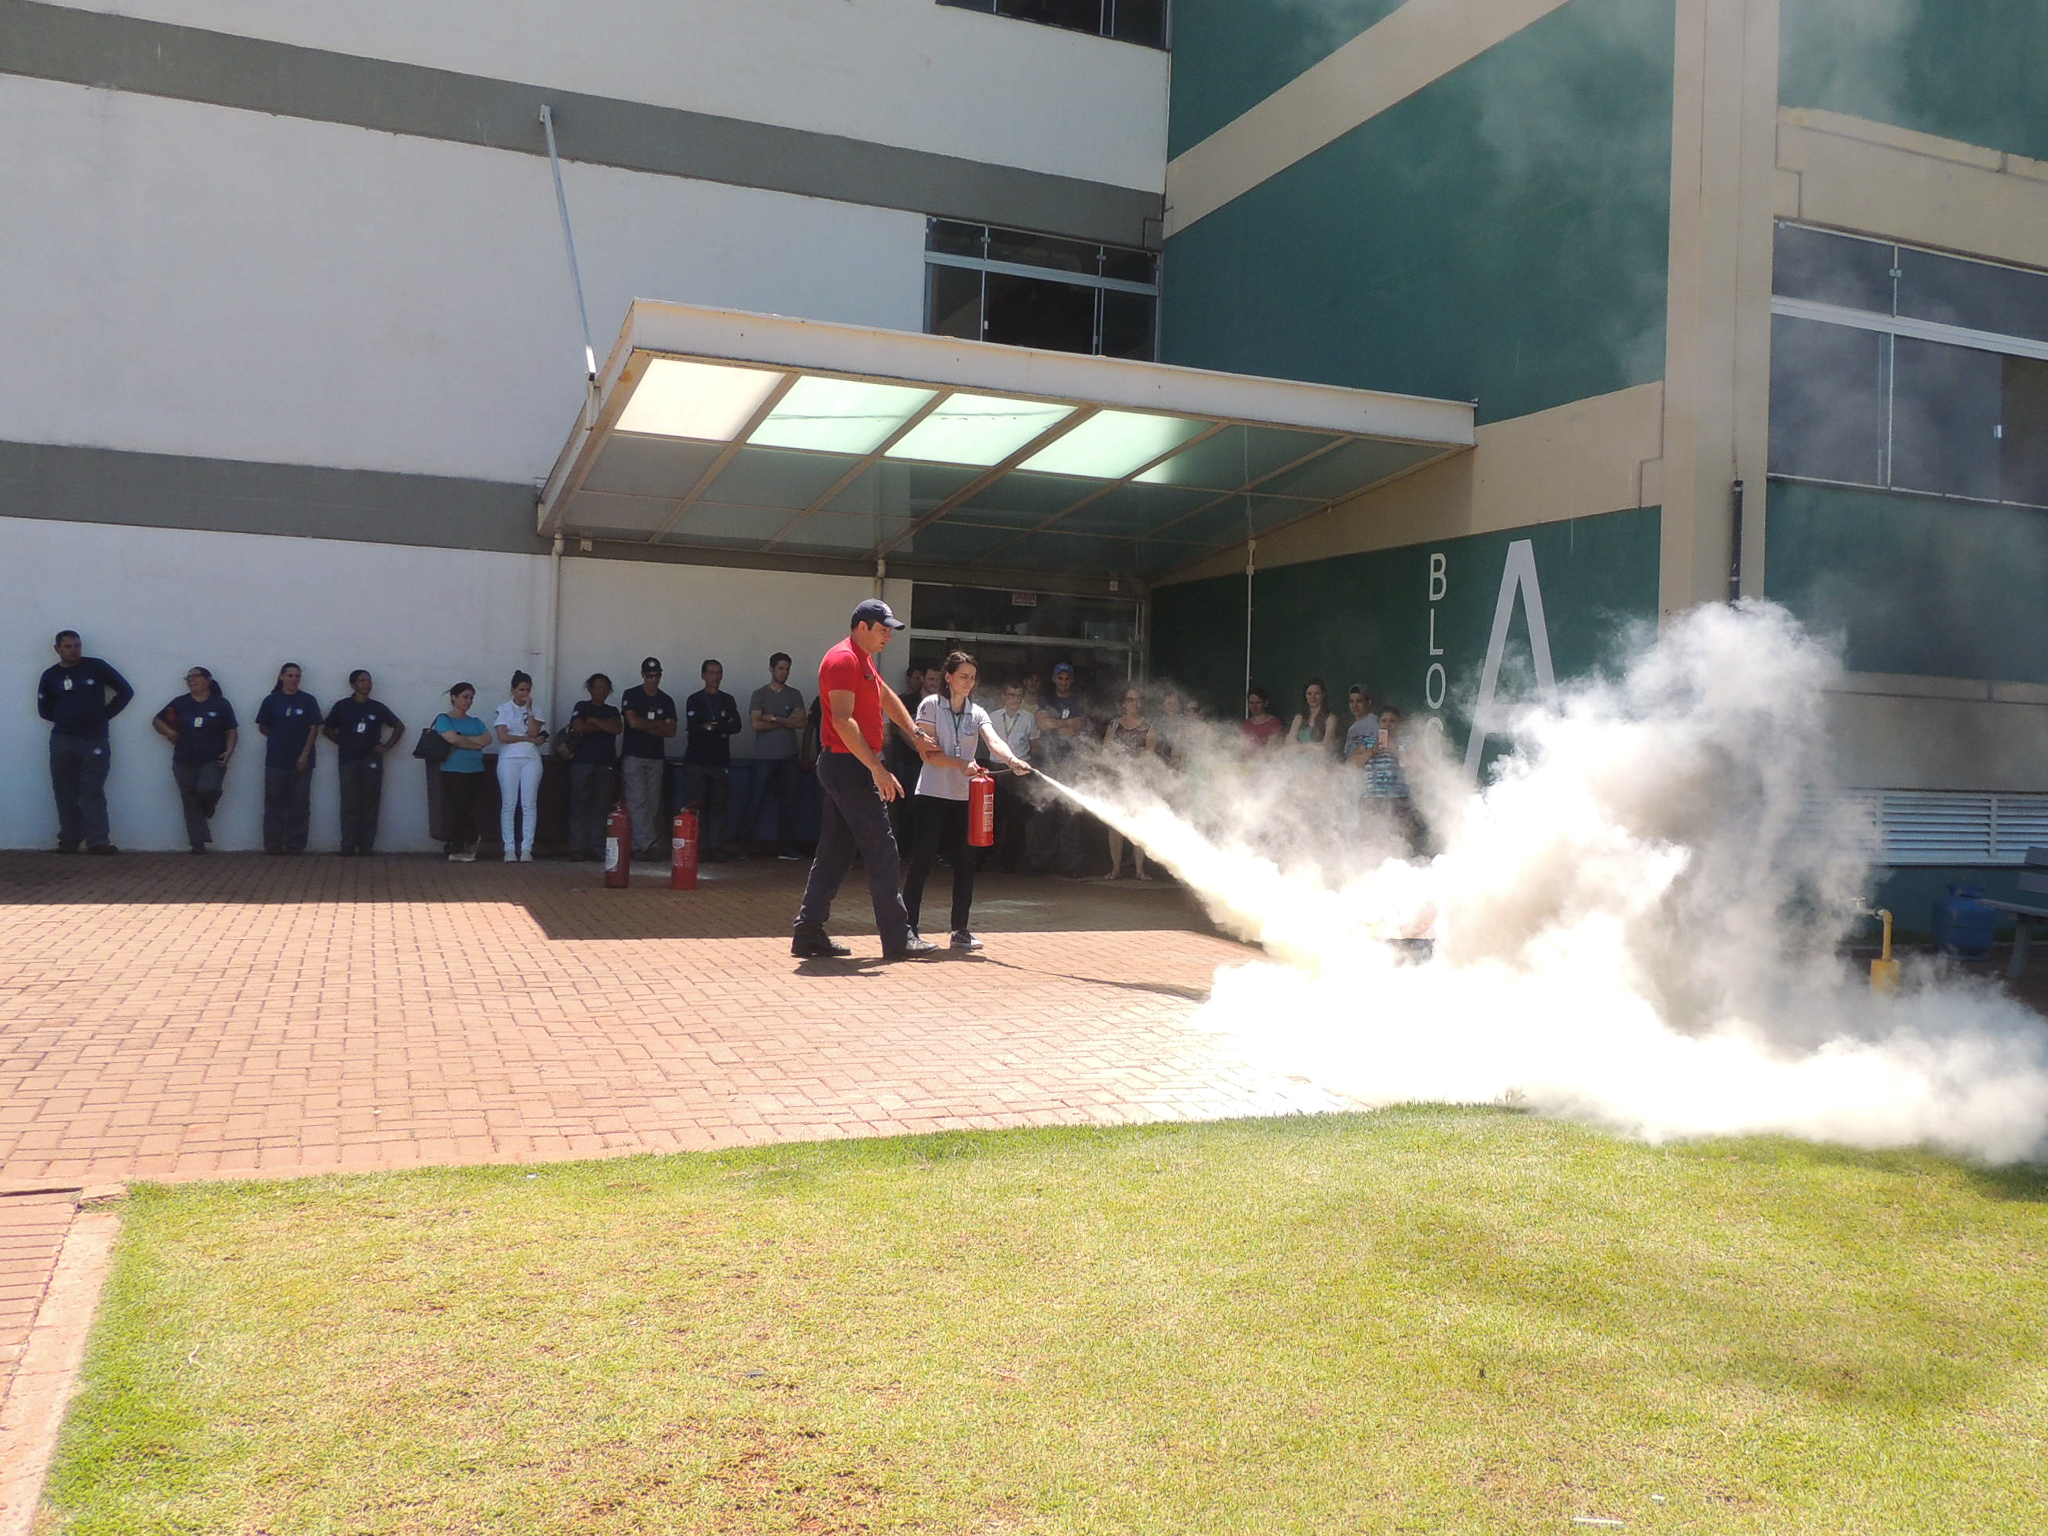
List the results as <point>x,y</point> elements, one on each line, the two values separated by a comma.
<point>1735,554</point>
<point>1251,565</point>
<point>881,575</point>
<point>555,632</point>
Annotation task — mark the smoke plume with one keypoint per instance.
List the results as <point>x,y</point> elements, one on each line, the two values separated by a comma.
<point>1635,923</point>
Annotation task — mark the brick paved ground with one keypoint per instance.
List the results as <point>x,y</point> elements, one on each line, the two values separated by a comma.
<point>169,1017</point>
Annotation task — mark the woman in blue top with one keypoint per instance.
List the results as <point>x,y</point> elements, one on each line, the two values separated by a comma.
<point>201,728</point>
<point>462,775</point>
<point>289,719</point>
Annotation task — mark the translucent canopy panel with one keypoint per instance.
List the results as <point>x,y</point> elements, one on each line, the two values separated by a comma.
<point>1112,444</point>
<point>839,415</point>
<point>978,429</point>
<point>850,446</point>
<point>701,400</point>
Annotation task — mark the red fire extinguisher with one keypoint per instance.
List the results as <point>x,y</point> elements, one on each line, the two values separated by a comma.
<point>682,867</point>
<point>618,848</point>
<point>981,811</point>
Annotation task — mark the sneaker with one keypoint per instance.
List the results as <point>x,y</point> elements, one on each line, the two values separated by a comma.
<point>526,855</point>
<point>789,854</point>
<point>461,858</point>
<point>816,944</point>
<point>913,948</point>
<point>962,939</point>
<point>63,847</point>
<point>511,856</point>
<point>199,847</point>
<point>103,849</point>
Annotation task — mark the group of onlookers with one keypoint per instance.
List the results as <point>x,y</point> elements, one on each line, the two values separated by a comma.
<point>612,752</point>
<point>620,753</point>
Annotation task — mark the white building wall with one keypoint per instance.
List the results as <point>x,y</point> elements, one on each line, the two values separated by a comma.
<point>909,73</point>
<point>214,282</point>
<point>154,602</point>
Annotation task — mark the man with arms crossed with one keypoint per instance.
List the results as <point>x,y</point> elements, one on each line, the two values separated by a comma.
<point>857,789</point>
<point>78,696</point>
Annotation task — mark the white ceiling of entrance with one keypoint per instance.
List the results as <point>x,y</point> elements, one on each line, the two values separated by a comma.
<point>716,430</point>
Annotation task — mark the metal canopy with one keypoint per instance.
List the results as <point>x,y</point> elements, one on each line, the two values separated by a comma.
<point>758,435</point>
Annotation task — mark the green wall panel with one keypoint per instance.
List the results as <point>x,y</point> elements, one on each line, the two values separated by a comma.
<point>1914,584</point>
<point>1975,70</point>
<point>1501,236</point>
<point>1230,55</point>
<point>1371,617</point>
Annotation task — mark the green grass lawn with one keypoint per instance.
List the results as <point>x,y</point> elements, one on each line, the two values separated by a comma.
<point>1420,1320</point>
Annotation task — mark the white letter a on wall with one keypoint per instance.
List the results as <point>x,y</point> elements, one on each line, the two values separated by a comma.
<point>1518,574</point>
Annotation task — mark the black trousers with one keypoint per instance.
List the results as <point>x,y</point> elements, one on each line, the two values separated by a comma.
<point>593,789</point>
<point>362,794</point>
<point>78,779</point>
<point>705,787</point>
<point>852,821</point>
<point>941,827</point>
<point>776,775</point>
<point>199,786</point>
<point>461,793</point>
<point>287,808</point>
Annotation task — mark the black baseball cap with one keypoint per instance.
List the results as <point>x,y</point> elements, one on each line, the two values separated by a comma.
<point>875,611</point>
<point>649,664</point>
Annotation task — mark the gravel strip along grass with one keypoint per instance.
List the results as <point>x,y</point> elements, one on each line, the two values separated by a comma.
<point>1419,1320</point>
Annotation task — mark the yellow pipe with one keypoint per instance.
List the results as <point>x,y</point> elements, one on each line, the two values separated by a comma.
<point>1884,971</point>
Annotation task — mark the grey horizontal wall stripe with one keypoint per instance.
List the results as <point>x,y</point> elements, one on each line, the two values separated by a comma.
<point>60,483</point>
<point>161,490</point>
<point>58,42</point>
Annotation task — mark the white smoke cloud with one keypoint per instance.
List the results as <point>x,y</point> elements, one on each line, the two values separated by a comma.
<point>1635,923</point>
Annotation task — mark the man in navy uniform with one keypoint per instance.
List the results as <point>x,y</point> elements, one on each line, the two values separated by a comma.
<point>78,696</point>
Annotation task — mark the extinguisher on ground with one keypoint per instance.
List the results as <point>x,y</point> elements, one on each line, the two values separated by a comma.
<point>682,868</point>
<point>618,848</point>
<point>981,811</point>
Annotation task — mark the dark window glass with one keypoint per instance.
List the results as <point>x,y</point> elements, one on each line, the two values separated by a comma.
<point>1078,15</point>
<point>1131,21</point>
<point>952,302</point>
<point>1029,312</point>
<point>1828,389</point>
<point>1139,21</point>
<point>2024,444</point>
<point>1127,324</point>
<point>1973,294</point>
<point>954,238</point>
<point>1130,266</point>
<point>1832,269</point>
<point>1028,250</point>
<point>1947,412</point>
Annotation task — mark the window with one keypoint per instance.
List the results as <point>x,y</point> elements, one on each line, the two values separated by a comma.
<point>1128,21</point>
<point>1908,370</point>
<point>1026,290</point>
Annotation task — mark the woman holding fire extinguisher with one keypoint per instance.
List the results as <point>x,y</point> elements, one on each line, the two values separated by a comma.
<point>944,787</point>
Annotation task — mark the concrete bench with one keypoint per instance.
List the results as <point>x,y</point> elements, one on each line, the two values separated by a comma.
<point>2031,884</point>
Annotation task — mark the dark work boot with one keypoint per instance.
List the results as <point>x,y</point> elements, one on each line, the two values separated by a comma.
<point>816,944</point>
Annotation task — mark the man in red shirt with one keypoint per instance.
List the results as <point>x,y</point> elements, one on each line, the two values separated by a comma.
<point>853,701</point>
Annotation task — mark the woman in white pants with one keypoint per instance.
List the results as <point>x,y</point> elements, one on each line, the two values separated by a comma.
<point>520,732</point>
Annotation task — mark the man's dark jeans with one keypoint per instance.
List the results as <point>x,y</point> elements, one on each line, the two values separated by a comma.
<point>704,788</point>
<point>78,778</point>
<point>777,775</point>
<point>287,808</point>
<point>854,820</point>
